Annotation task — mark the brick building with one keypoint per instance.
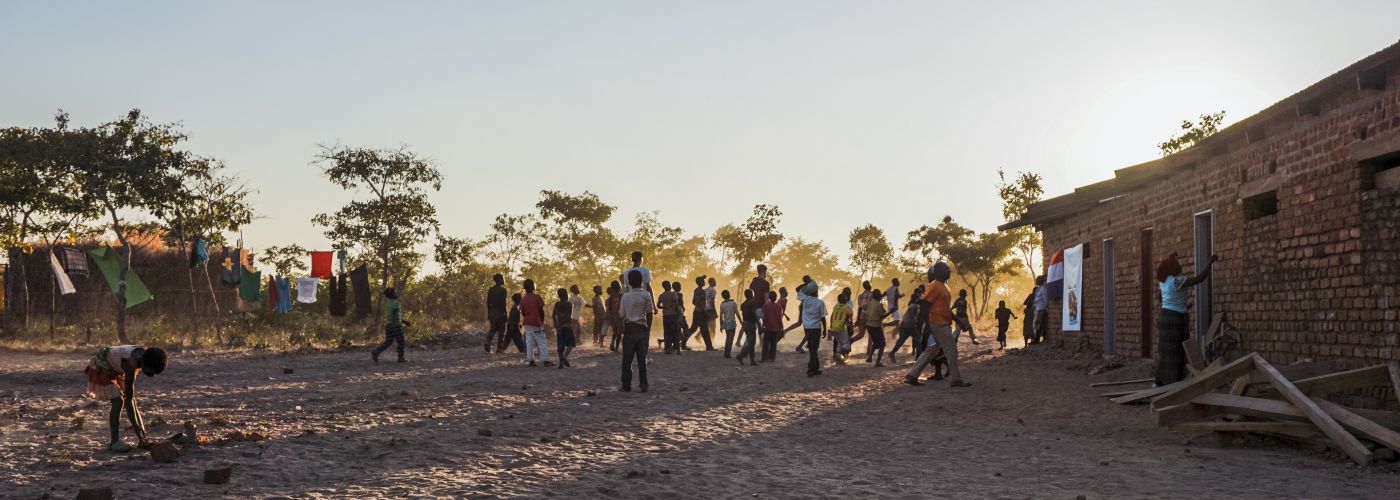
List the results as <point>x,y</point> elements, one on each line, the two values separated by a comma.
<point>1302,203</point>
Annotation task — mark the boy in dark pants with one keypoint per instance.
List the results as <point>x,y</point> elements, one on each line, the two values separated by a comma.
<point>813,318</point>
<point>393,325</point>
<point>513,334</point>
<point>636,306</point>
<point>751,309</point>
<point>873,316</point>
<point>772,327</point>
<point>728,321</point>
<point>496,313</point>
<point>700,316</point>
<point>910,327</point>
<point>960,318</point>
<point>1004,317</point>
<point>564,327</point>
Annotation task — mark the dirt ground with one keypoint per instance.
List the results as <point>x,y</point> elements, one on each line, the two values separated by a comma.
<point>461,423</point>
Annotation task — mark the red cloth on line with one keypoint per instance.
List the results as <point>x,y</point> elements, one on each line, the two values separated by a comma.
<point>321,264</point>
<point>272,293</point>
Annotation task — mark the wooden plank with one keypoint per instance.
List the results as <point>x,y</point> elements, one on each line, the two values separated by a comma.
<point>1360,425</point>
<point>1207,381</point>
<point>1245,427</point>
<point>1118,394</point>
<point>1394,379</point>
<point>1342,381</point>
<point>1239,386</point>
<point>1146,394</point>
<point>1305,368</point>
<point>1315,413</point>
<point>1174,415</point>
<point>1214,328</point>
<point>1124,382</point>
<point>1194,359</point>
<point>1281,410</point>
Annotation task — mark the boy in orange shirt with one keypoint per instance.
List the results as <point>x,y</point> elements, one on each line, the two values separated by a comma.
<point>940,321</point>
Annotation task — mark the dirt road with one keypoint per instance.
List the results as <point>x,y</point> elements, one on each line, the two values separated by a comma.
<point>461,423</point>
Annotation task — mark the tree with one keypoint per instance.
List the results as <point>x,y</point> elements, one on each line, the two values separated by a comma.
<point>745,245</point>
<point>1192,133</point>
<point>396,218</point>
<point>979,260</point>
<point>514,240</point>
<point>581,244</point>
<point>798,257</point>
<point>288,260</point>
<point>1017,196</point>
<point>127,165</point>
<point>870,250</point>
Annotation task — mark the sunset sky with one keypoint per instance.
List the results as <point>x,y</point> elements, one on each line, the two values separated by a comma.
<point>841,113</point>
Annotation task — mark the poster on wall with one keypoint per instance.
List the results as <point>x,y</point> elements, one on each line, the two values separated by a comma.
<point>1073,303</point>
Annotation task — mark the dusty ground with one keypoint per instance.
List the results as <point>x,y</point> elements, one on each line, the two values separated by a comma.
<point>342,427</point>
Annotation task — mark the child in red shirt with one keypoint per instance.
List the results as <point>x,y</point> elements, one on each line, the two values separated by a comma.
<point>772,327</point>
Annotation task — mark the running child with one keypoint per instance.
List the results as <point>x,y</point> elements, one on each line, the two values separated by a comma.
<point>393,325</point>
<point>1004,317</point>
<point>564,327</point>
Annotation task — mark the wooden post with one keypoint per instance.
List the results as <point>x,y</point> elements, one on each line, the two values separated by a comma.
<point>1314,412</point>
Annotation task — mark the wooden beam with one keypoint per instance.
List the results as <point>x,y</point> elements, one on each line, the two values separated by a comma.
<point>1174,415</point>
<point>1342,381</point>
<point>1394,379</point>
<point>1194,358</point>
<point>1146,394</point>
<point>1124,382</point>
<point>1245,427</point>
<point>1316,415</point>
<point>1207,381</point>
<point>1215,321</point>
<point>1360,425</point>
<point>1119,394</point>
<point>1297,371</point>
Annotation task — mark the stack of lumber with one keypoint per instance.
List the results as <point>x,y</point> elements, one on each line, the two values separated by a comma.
<point>1250,395</point>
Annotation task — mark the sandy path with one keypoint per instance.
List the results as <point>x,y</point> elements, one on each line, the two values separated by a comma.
<point>709,428</point>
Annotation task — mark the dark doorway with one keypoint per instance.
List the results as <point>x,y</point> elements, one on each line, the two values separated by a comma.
<point>1110,299</point>
<point>1147,282</point>
<point>1205,246</point>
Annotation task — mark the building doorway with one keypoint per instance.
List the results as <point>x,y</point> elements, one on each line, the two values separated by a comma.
<point>1205,247</point>
<point>1146,282</point>
<point>1110,301</point>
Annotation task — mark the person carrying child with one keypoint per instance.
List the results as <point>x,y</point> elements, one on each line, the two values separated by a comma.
<point>111,375</point>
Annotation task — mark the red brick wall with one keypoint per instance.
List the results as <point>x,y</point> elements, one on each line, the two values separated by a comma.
<point>1318,279</point>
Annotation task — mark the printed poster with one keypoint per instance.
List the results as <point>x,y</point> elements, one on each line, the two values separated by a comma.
<point>1073,304</point>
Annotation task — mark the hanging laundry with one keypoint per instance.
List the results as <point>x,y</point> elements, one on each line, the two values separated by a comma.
<point>249,283</point>
<point>306,290</point>
<point>65,285</point>
<point>360,279</point>
<point>339,288</point>
<point>284,295</point>
<point>229,274</point>
<point>74,262</point>
<point>321,264</point>
<point>199,254</point>
<point>274,295</point>
<point>340,255</point>
<point>110,264</point>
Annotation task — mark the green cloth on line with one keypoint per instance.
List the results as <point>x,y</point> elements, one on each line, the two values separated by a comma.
<point>110,264</point>
<point>249,284</point>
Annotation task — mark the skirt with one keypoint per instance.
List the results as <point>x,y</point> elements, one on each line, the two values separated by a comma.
<point>1171,357</point>
<point>102,385</point>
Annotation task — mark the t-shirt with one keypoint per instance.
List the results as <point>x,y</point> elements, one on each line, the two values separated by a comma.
<point>840,317</point>
<point>1003,316</point>
<point>646,278</point>
<point>1173,294</point>
<point>532,309</point>
<point>727,312</point>
<point>576,303</point>
<point>668,303</point>
<point>599,309</point>
<point>393,313</point>
<point>710,299</point>
<point>615,307</point>
<point>698,300</point>
<point>813,311</point>
<point>513,321</point>
<point>760,288</point>
<point>496,301</point>
<point>892,296</point>
<point>864,299</point>
<point>772,317</point>
<point>937,297</point>
<point>782,305</point>
<point>636,304</point>
<point>875,314</point>
<point>1041,300</point>
<point>563,314</point>
<point>913,316</point>
<point>960,308</point>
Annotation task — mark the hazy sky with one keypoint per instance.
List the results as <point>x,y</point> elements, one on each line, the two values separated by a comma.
<point>841,113</point>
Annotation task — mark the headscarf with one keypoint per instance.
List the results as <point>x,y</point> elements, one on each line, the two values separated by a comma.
<point>1168,267</point>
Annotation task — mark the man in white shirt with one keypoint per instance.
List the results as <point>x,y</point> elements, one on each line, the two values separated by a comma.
<point>646,282</point>
<point>813,318</point>
<point>637,308</point>
<point>576,301</point>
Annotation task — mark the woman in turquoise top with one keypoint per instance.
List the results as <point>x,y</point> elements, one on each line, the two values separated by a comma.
<point>1171,320</point>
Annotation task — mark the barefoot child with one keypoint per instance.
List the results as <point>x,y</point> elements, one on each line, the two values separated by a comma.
<point>111,375</point>
<point>393,325</point>
<point>513,334</point>
<point>874,315</point>
<point>1004,317</point>
<point>728,312</point>
<point>564,327</point>
<point>840,328</point>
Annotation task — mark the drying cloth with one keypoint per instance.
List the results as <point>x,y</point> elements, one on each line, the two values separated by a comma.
<point>111,266</point>
<point>360,279</point>
<point>229,274</point>
<point>74,262</point>
<point>306,290</point>
<point>321,264</point>
<point>274,294</point>
<point>249,284</point>
<point>338,294</point>
<point>284,295</point>
<point>65,285</point>
<point>199,253</point>
<point>340,255</point>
